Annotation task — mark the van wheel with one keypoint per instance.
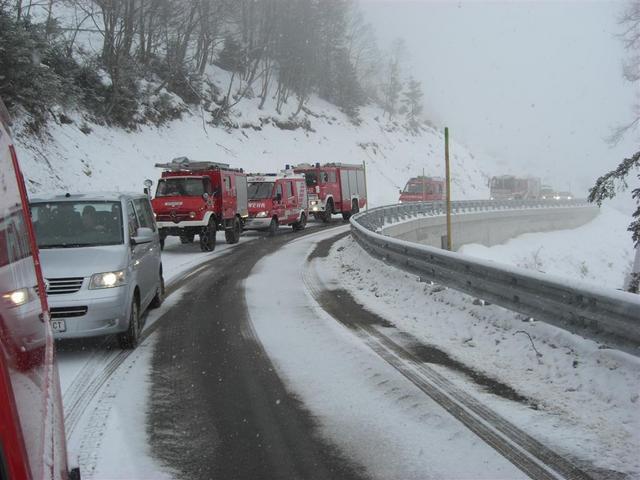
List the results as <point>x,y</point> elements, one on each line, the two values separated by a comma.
<point>273,227</point>
<point>232,235</point>
<point>187,238</point>
<point>300,224</point>
<point>208,237</point>
<point>159,297</point>
<point>129,339</point>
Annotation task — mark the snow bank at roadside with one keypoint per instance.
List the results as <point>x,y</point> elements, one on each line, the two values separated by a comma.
<point>600,252</point>
<point>587,397</point>
<point>114,159</point>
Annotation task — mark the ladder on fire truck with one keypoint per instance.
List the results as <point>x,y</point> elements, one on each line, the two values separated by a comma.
<point>183,164</point>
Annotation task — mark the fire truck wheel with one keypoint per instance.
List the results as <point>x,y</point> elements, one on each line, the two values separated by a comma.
<point>187,238</point>
<point>232,235</point>
<point>273,226</point>
<point>208,237</point>
<point>129,339</point>
<point>300,224</point>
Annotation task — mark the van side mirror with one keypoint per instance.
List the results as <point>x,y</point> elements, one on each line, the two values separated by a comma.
<point>143,235</point>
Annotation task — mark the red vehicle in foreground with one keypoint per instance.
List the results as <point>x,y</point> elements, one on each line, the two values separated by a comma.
<point>423,189</point>
<point>32,439</point>
<point>198,198</point>
<point>277,199</point>
<point>334,188</point>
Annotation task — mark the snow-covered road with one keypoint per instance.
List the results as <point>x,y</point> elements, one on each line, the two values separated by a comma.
<point>302,380</point>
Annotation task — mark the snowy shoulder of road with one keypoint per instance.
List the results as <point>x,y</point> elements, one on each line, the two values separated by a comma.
<point>586,398</point>
<point>125,451</point>
<point>374,416</point>
<point>599,252</point>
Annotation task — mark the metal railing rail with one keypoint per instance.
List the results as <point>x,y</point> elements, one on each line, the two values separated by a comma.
<point>602,314</point>
<point>377,218</point>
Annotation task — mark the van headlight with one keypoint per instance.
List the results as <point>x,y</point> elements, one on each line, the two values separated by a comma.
<point>17,297</point>
<point>261,214</point>
<point>107,280</point>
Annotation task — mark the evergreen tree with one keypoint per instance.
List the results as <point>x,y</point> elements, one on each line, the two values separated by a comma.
<point>413,102</point>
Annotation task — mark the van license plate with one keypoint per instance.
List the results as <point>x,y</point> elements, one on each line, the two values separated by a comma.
<point>58,326</point>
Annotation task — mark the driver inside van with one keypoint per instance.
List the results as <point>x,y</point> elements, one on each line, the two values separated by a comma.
<point>90,220</point>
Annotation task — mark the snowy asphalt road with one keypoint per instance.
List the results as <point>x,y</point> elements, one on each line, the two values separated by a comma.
<point>262,365</point>
<point>236,419</point>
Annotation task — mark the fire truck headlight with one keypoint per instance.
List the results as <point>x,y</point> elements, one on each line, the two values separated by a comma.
<point>17,297</point>
<point>107,280</point>
<point>262,214</point>
<point>192,214</point>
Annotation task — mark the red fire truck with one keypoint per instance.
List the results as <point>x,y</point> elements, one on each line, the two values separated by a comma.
<point>508,187</point>
<point>32,439</point>
<point>423,189</point>
<point>198,198</point>
<point>334,188</point>
<point>277,199</point>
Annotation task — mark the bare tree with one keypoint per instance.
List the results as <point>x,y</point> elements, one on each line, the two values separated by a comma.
<point>630,22</point>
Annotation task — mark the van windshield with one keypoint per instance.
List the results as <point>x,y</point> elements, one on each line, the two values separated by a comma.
<point>260,190</point>
<point>181,187</point>
<point>77,224</point>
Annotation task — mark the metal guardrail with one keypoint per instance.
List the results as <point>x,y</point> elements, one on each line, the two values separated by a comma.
<point>376,218</point>
<point>602,314</point>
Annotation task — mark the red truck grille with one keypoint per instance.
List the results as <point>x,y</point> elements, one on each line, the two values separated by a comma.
<point>173,217</point>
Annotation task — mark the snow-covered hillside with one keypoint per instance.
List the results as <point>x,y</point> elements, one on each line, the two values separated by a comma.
<point>114,159</point>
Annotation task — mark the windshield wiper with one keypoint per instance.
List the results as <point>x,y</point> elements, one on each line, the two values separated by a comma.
<point>65,245</point>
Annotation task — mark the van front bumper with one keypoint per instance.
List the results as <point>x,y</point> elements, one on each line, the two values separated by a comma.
<point>107,312</point>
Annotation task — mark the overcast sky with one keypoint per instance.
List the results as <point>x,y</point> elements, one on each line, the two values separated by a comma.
<point>538,85</point>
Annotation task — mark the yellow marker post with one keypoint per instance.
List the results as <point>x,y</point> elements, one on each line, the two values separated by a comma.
<point>446,160</point>
<point>364,167</point>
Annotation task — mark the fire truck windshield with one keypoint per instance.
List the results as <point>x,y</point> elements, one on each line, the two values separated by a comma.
<point>311,178</point>
<point>260,190</point>
<point>418,187</point>
<point>77,224</point>
<point>180,187</point>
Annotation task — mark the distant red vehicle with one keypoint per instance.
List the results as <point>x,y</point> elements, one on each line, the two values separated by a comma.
<point>32,439</point>
<point>508,187</point>
<point>423,189</point>
<point>277,199</point>
<point>334,188</point>
<point>198,198</point>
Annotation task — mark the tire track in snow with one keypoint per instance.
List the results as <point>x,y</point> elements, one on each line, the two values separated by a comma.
<point>522,450</point>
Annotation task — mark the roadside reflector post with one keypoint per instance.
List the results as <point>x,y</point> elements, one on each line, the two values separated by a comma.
<point>366,197</point>
<point>448,173</point>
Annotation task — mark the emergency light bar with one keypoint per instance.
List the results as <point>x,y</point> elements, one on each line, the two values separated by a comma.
<point>183,163</point>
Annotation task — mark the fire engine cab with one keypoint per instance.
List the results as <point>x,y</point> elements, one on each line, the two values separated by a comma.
<point>198,198</point>
<point>32,439</point>
<point>277,199</point>
<point>423,189</point>
<point>334,188</point>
